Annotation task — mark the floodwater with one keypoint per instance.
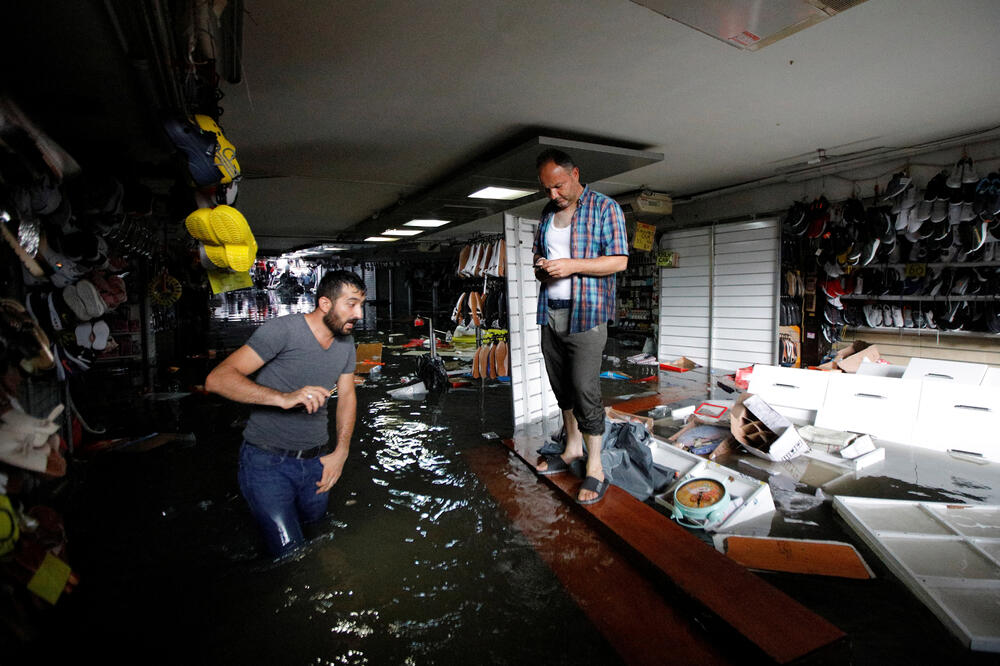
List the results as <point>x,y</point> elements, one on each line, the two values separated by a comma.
<point>415,562</point>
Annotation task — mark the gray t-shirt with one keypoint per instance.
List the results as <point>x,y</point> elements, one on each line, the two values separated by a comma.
<point>293,358</point>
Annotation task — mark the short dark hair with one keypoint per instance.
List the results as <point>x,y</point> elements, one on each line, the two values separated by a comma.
<point>557,156</point>
<point>333,281</point>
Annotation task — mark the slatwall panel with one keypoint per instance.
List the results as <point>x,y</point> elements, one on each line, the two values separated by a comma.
<point>684,297</point>
<point>534,401</point>
<point>899,348</point>
<point>745,296</point>
<point>731,297</point>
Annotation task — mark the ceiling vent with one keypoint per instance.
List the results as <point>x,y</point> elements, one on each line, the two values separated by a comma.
<point>749,25</point>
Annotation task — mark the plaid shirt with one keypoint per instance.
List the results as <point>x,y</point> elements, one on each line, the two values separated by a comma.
<point>598,229</point>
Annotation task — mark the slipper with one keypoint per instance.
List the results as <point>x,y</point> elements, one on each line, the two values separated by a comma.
<point>554,465</point>
<point>600,487</point>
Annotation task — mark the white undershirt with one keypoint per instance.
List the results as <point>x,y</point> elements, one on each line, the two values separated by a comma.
<point>557,247</point>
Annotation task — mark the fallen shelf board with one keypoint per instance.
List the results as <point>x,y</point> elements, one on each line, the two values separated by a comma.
<point>783,629</point>
<point>805,556</point>
<point>605,585</point>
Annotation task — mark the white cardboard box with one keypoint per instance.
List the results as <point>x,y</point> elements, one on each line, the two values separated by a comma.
<point>792,392</point>
<point>883,407</point>
<point>927,369</point>
<point>959,418</point>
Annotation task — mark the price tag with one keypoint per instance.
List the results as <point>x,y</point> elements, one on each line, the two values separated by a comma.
<point>915,270</point>
<point>666,259</point>
<point>644,236</point>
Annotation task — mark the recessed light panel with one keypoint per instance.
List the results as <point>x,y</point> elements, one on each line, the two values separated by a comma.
<point>426,223</point>
<point>380,239</point>
<point>402,232</point>
<point>503,193</point>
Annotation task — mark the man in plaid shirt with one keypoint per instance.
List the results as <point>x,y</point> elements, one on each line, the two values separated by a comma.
<point>579,246</point>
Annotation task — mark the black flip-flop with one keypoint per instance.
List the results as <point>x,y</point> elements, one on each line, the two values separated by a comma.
<point>599,487</point>
<point>554,465</point>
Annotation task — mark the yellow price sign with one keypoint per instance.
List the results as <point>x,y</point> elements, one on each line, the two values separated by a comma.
<point>915,270</point>
<point>644,236</point>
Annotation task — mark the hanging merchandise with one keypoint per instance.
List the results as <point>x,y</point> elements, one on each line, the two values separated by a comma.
<point>164,289</point>
<point>225,153</point>
<point>227,246</point>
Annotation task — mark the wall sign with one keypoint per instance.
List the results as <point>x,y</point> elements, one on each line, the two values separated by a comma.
<point>644,236</point>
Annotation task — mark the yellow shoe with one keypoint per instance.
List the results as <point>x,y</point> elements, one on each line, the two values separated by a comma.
<point>216,256</point>
<point>229,226</point>
<point>240,258</point>
<point>200,227</point>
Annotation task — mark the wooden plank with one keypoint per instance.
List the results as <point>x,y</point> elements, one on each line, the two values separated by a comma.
<point>607,587</point>
<point>824,558</point>
<point>783,629</point>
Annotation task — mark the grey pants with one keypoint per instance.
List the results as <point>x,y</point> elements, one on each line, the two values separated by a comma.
<point>573,363</point>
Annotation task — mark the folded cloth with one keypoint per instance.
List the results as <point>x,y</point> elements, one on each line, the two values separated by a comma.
<point>626,458</point>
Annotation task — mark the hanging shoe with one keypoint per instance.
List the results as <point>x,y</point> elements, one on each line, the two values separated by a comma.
<point>456,314</point>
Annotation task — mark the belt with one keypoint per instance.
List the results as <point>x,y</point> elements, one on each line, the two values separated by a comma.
<point>558,303</point>
<point>293,453</point>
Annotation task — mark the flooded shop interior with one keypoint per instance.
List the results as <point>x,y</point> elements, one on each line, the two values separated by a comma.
<point>800,381</point>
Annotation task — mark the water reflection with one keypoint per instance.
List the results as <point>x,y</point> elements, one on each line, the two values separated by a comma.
<point>258,305</point>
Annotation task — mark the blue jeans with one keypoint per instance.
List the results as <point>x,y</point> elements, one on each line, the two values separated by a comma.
<point>281,492</point>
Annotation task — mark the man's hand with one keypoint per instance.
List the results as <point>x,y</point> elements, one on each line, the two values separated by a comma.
<point>312,397</point>
<point>556,268</point>
<point>333,465</point>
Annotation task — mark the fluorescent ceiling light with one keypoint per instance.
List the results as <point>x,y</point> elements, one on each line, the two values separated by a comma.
<point>380,239</point>
<point>426,223</point>
<point>403,232</point>
<point>504,193</point>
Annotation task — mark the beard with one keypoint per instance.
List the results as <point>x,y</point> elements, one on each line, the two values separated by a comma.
<point>337,325</point>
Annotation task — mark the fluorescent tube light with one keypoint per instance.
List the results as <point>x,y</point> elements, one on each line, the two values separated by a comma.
<point>426,223</point>
<point>380,239</point>
<point>402,232</point>
<point>504,193</point>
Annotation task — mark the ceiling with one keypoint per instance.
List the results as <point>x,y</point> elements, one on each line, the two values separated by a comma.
<point>347,109</point>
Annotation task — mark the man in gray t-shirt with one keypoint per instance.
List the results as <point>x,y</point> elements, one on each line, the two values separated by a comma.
<point>286,466</point>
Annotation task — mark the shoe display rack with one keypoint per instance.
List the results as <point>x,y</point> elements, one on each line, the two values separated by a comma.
<point>910,260</point>
<point>638,296</point>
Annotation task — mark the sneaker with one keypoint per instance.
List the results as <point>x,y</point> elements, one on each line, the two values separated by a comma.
<point>939,210</point>
<point>887,319</point>
<point>873,315</point>
<point>91,298</point>
<point>923,212</point>
<point>970,172</point>
<point>897,185</point>
<point>907,317</point>
<point>72,298</point>
<point>897,317</point>
<point>954,180</point>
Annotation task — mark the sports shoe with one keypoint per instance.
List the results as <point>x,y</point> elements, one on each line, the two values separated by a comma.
<point>71,297</point>
<point>873,315</point>
<point>907,317</point>
<point>897,317</point>
<point>91,298</point>
<point>939,210</point>
<point>897,185</point>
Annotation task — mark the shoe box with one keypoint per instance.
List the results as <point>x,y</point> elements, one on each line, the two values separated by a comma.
<point>794,393</point>
<point>941,405</point>
<point>950,371</point>
<point>959,417</point>
<point>882,407</point>
<point>992,377</point>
